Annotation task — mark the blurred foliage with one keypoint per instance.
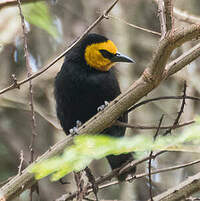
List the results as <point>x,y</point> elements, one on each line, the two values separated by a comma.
<point>87,148</point>
<point>37,13</point>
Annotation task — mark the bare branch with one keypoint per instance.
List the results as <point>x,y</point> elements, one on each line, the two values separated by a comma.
<point>182,60</point>
<point>180,112</point>
<point>165,48</point>
<point>29,72</point>
<point>168,14</point>
<point>139,176</point>
<point>21,162</point>
<point>132,25</point>
<point>186,17</point>
<point>122,124</point>
<point>150,158</point>
<point>91,179</point>
<point>156,172</point>
<point>4,3</point>
<point>113,173</point>
<point>161,14</point>
<point>161,98</point>
<point>182,191</point>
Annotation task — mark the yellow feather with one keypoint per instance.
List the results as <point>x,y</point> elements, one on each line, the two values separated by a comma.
<point>95,59</point>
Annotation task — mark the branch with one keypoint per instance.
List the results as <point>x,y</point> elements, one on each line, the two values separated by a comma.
<point>130,179</point>
<point>139,176</point>
<point>168,14</point>
<point>5,3</point>
<point>29,72</point>
<point>165,48</point>
<point>113,173</point>
<point>161,14</point>
<point>182,191</point>
<point>180,14</point>
<point>161,98</point>
<point>122,124</point>
<point>179,113</point>
<point>186,17</point>
<point>183,60</point>
<point>135,26</point>
<point>150,159</point>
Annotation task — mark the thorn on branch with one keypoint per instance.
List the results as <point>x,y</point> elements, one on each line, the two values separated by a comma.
<point>14,80</point>
<point>21,162</point>
<point>105,15</point>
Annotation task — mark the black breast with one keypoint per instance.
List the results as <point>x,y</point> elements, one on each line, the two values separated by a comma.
<point>80,91</point>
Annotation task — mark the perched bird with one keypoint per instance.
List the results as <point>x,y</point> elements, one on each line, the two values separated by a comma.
<point>85,81</point>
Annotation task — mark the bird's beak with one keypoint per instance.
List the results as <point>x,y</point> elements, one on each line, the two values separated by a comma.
<point>118,57</point>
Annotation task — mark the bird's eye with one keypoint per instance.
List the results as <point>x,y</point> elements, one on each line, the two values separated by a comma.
<point>106,54</point>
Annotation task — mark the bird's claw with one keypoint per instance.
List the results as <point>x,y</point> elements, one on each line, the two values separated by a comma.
<point>102,107</point>
<point>78,124</point>
<point>74,130</point>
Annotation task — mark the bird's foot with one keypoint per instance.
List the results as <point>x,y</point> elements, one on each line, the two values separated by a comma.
<point>102,107</point>
<point>78,124</point>
<point>74,130</point>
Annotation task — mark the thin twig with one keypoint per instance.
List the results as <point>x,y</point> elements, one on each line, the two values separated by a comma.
<point>181,191</point>
<point>29,72</point>
<point>21,162</point>
<point>161,14</point>
<point>150,158</point>
<point>168,14</point>
<point>115,172</point>
<point>187,57</point>
<point>5,3</point>
<point>186,17</point>
<point>45,68</point>
<point>180,112</point>
<point>88,199</point>
<point>122,124</point>
<point>192,199</point>
<point>138,176</point>
<point>132,25</point>
<point>91,179</point>
<point>79,184</point>
<point>161,98</point>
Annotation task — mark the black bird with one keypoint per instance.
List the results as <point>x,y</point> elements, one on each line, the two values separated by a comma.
<point>85,81</point>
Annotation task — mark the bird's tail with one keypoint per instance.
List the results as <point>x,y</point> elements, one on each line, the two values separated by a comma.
<point>116,161</point>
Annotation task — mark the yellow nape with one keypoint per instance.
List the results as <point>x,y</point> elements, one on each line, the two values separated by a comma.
<point>95,59</point>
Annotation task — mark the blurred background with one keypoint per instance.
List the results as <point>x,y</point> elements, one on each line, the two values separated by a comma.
<point>52,26</point>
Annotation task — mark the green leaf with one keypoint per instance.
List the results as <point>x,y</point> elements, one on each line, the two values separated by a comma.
<point>38,14</point>
<point>89,147</point>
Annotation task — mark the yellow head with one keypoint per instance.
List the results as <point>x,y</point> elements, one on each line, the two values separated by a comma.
<point>101,53</point>
<point>94,57</point>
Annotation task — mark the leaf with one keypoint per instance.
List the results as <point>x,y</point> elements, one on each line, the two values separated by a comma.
<point>38,14</point>
<point>89,147</point>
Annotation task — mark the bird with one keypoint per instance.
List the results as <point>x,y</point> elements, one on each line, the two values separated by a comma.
<point>86,80</point>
